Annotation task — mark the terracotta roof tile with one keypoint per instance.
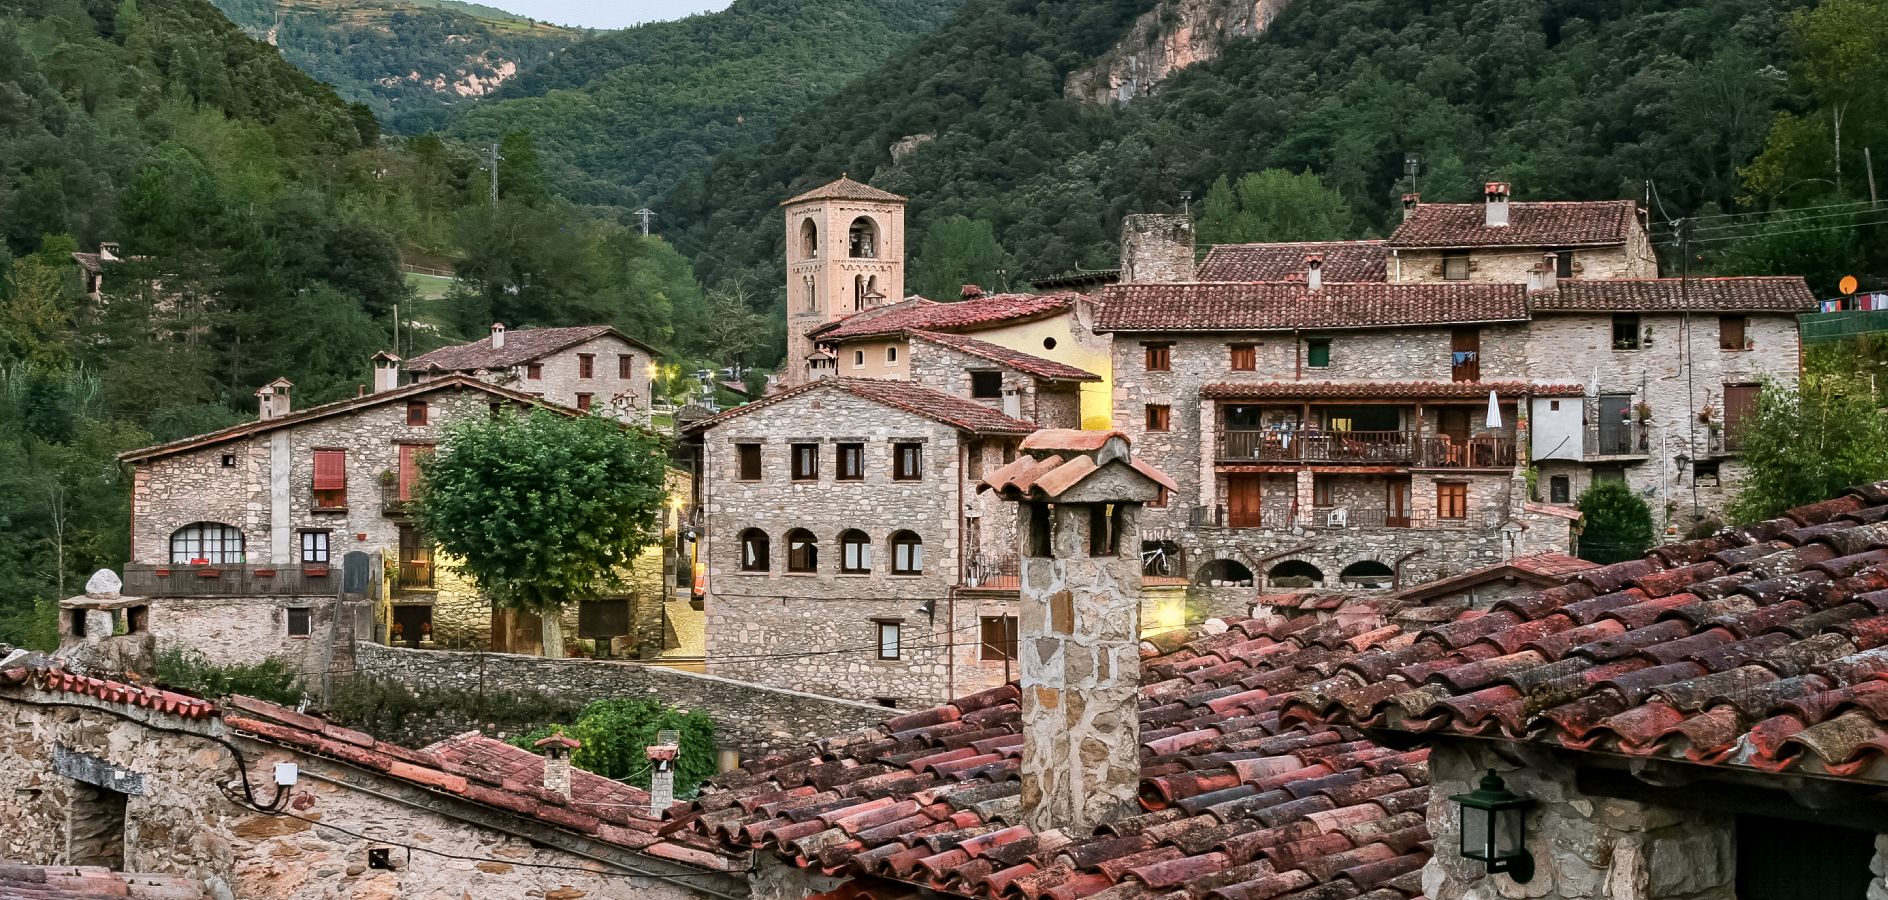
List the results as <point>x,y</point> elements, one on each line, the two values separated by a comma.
<point>1736,294</point>
<point>1238,800</point>
<point>913,398</point>
<point>1778,665</point>
<point>46,675</point>
<point>1343,261</point>
<point>1026,363</point>
<point>24,881</point>
<point>1277,305</point>
<point>843,188</point>
<point>521,346</point>
<point>919,314</point>
<point>1555,224</point>
<point>1387,390</point>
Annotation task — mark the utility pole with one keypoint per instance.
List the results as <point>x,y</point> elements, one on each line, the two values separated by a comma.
<point>1868,160</point>
<point>491,165</point>
<point>645,214</point>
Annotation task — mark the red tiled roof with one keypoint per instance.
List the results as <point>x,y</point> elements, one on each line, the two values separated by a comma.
<point>1536,569</point>
<point>478,769</point>
<point>1237,805</point>
<point>24,881</point>
<point>919,314</point>
<point>1343,261</point>
<point>1555,224</point>
<point>339,407</point>
<point>843,188</point>
<point>1760,648</point>
<point>521,346</point>
<point>916,399</point>
<point>1748,294</point>
<point>1384,390</point>
<point>1026,363</point>
<point>150,697</point>
<point>1275,305</point>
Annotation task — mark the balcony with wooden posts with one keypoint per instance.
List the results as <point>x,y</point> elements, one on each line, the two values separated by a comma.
<point>231,580</point>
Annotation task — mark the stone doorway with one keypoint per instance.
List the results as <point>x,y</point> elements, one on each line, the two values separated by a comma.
<point>95,827</point>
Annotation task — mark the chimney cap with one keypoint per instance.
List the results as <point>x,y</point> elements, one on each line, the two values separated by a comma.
<point>498,326</point>
<point>559,740</point>
<point>972,292</point>
<point>1498,189</point>
<point>386,356</point>
<point>1412,198</point>
<point>1314,259</point>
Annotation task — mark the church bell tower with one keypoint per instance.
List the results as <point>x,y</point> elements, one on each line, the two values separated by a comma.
<point>845,254</point>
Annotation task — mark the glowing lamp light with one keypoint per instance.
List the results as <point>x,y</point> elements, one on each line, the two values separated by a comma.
<point>1494,828</point>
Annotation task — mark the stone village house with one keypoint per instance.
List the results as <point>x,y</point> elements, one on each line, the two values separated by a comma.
<point>240,536</point>
<point>585,367</point>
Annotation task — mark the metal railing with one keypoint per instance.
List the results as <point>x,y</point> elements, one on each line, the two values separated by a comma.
<point>1355,517</point>
<point>994,573</point>
<point>1328,517</point>
<point>392,505</point>
<point>231,580</point>
<point>1618,439</point>
<point>1315,445</point>
<point>414,575</point>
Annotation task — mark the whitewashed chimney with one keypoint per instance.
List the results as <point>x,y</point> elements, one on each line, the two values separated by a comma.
<point>498,335</point>
<point>1495,196</point>
<point>272,399</point>
<point>1314,272</point>
<point>1550,271</point>
<point>557,749</point>
<point>1410,202</point>
<point>662,756</point>
<point>386,372</point>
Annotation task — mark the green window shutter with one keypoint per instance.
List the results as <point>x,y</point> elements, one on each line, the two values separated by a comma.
<point>1318,354</point>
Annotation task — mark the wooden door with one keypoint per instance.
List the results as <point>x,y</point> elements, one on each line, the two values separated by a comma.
<point>1244,493</point>
<point>416,559</point>
<point>1740,403</point>
<point>1396,504</point>
<point>1615,425</point>
<point>1465,354</point>
<point>1452,423</point>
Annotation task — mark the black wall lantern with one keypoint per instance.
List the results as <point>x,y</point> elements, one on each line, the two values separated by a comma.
<point>1494,828</point>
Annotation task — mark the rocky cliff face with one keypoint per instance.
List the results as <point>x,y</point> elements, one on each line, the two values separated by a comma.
<point>1171,36</point>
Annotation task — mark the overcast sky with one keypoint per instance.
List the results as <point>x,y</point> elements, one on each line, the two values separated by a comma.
<point>606,13</point>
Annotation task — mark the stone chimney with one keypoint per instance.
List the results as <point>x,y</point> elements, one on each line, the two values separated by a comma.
<point>1079,496</point>
<point>1314,271</point>
<point>662,756</point>
<point>498,335</point>
<point>108,251</point>
<point>1410,202</point>
<point>1156,249</point>
<point>972,292</point>
<point>1544,278</point>
<point>386,372</point>
<point>874,299</point>
<point>557,749</point>
<point>273,399</point>
<point>1496,197</point>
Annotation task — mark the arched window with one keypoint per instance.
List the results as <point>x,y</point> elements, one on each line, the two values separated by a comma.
<point>907,554</point>
<point>755,553</point>
<point>1295,573</point>
<point>809,239</point>
<point>211,543</point>
<point>862,239</point>
<point>812,294</point>
<point>858,292</point>
<point>855,552</point>
<point>1367,573</point>
<point>802,551</point>
<point>1225,573</point>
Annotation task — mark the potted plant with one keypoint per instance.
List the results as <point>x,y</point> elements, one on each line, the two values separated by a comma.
<point>1643,411</point>
<point>1707,414</point>
<point>1750,343</point>
<point>389,478</point>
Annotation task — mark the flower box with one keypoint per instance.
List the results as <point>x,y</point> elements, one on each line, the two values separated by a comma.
<point>265,573</point>
<point>315,571</point>
<point>209,573</point>
<point>162,572</point>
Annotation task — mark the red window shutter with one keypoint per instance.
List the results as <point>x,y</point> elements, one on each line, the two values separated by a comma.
<point>330,470</point>
<point>410,468</point>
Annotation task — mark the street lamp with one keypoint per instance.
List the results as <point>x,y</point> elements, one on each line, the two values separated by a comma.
<point>1494,828</point>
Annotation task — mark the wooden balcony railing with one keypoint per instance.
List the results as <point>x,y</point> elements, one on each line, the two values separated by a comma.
<point>1317,446</point>
<point>232,580</point>
<point>1482,451</point>
<point>1322,517</point>
<point>1354,517</point>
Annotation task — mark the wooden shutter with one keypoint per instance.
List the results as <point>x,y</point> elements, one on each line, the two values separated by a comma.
<point>1740,403</point>
<point>1243,495</point>
<point>410,468</point>
<point>330,470</point>
<point>1465,351</point>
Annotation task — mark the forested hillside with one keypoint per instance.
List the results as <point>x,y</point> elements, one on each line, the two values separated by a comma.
<point>1669,99</point>
<point>401,56</point>
<point>620,117</point>
<point>261,219</point>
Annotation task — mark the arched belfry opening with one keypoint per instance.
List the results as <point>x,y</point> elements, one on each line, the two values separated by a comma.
<point>862,238</point>
<point>809,239</point>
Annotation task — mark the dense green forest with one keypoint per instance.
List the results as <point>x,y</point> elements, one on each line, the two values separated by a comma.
<point>400,56</point>
<point>620,117</point>
<point>263,220</point>
<point>1708,108</point>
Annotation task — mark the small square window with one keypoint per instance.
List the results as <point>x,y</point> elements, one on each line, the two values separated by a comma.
<point>315,547</point>
<point>300,623</point>
<point>1455,265</point>
<point>416,412</point>
<point>1159,416</point>
<point>379,858</point>
<point>1245,358</point>
<point>229,460</point>
<point>534,371</point>
<point>1553,405</point>
<point>1451,500</point>
<point>805,462</point>
<point>1559,489</point>
<point>583,402</point>
<point>1731,332</point>
<point>998,635</point>
<point>986,385</point>
<point>1159,357</point>
<point>625,366</point>
<point>747,462</point>
<point>891,356</point>
<point>1318,353</point>
<point>907,462</point>
<point>1705,473</point>
<point>1625,332</point>
<point>586,365</point>
<point>1162,497</point>
<point>851,458</point>
<point>888,640</point>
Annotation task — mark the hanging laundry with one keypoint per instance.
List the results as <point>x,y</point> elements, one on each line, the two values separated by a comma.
<point>1464,357</point>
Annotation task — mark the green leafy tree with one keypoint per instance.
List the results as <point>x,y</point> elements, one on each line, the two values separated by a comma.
<point>616,732</point>
<point>1274,205</point>
<point>1615,523</point>
<point>36,313</point>
<point>542,510</point>
<point>1807,445</point>
<point>956,251</point>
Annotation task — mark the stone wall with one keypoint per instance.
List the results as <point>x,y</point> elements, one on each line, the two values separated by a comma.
<point>1511,265</point>
<point>244,630</point>
<point>818,632</point>
<point>1584,847</point>
<point>948,369</point>
<point>752,717</point>
<point>1156,249</point>
<point>178,821</point>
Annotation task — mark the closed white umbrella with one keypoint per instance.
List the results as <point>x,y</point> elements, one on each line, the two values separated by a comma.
<point>1593,384</point>
<point>1494,411</point>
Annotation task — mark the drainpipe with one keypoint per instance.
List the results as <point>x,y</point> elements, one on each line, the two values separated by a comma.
<point>1298,356</point>
<point>950,598</point>
<point>1396,568</point>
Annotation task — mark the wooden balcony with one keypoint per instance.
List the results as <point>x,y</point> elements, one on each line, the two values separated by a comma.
<point>231,580</point>
<point>1482,451</point>
<point>1313,445</point>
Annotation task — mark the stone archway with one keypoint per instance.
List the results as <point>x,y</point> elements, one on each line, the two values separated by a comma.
<point>1369,574</point>
<point>1294,573</point>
